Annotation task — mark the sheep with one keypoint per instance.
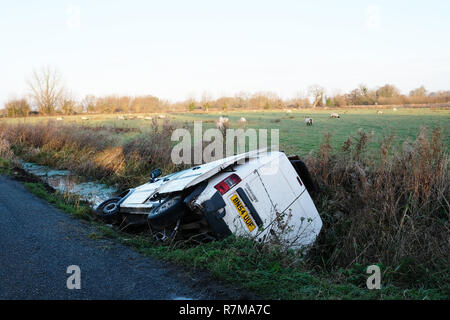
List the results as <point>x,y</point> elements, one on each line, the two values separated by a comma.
<point>148,118</point>
<point>161,116</point>
<point>121,117</point>
<point>309,121</point>
<point>84,118</point>
<point>379,112</point>
<point>242,121</point>
<point>395,109</point>
<point>334,115</point>
<point>59,119</point>
<point>222,123</point>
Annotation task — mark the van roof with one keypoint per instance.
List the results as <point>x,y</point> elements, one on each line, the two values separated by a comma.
<point>192,176</point>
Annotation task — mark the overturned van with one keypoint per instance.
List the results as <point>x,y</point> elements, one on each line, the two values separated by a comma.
<point>260,194</point>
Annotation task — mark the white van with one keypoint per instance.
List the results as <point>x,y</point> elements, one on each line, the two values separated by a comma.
<point>261,194</point>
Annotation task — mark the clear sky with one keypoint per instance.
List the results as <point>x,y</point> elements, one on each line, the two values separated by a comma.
<point>178,49</point>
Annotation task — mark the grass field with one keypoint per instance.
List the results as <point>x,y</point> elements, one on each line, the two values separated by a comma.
<point>295,136</point>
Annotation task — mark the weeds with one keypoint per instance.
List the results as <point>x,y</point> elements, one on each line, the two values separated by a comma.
<point>90,152</point>
<point>389,208</point>
<point>388,211</point>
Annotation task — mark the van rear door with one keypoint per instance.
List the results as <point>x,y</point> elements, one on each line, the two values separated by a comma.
<point>281,201</point>
<point>270,188</point>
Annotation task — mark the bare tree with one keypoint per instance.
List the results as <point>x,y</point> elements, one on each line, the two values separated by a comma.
<point>419,92</point>
<point>46,89</point>
<point>317,93</point>
<point>388,91</point>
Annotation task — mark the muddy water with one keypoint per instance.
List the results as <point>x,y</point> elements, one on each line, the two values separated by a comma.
<point>65,181</point>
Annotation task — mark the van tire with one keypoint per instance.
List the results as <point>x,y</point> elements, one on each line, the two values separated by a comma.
<point>108,210</point>
<point>304,174</point>
<point>167,213</point>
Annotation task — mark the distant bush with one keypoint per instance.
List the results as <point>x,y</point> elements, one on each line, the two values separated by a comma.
<point>17,108</point>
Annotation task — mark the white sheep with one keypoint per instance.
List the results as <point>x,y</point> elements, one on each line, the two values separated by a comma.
<point>395,109</point>
<point>379,112</point>
<point>148,118</point>
<point>59,119</point>
<point>309,121</point>
<point>334,115</point>
<point>242,121</point>
<point>222,123</point>
<point>84,118</point>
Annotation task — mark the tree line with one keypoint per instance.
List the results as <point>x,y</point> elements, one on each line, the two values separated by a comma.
<point>48,96</point>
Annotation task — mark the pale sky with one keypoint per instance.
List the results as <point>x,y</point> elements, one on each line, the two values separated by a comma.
<point>178,49</point>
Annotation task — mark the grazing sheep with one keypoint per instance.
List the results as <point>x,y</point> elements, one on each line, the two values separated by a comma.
<point>242,121</point>
<point>395,109</point>
<point>59,119</point>
<point>309,121</point>
<point>84,118</point>
<point>121,117</point>
<point>140,117</point>
<point>222,123</point>
<point>335,115</point>
<point>148,118</point>
<point>379,112</point>
<point>161,116</point>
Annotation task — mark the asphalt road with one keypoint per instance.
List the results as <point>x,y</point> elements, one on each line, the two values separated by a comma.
<point>38,242</point>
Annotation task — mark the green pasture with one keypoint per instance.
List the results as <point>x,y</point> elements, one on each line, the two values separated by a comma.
<point>295,136</point>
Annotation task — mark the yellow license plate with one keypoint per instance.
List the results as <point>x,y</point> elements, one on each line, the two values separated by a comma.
<point>243,212</point>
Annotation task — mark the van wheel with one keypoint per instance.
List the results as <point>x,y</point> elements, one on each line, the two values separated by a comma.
<point>108,210</point>
<point>167,213</point>
<point>304,174</point>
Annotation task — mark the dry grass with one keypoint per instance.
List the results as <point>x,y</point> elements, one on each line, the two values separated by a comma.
<point>92,152</point>
<point>390,210</point>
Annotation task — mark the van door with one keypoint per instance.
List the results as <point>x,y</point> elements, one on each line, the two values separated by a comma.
<point>281,183</point>
<point>270,191</point>
<point>296,221</point>
<point>283,204</point>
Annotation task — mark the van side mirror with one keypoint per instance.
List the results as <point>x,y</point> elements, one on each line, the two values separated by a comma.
<point>155,174</point>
